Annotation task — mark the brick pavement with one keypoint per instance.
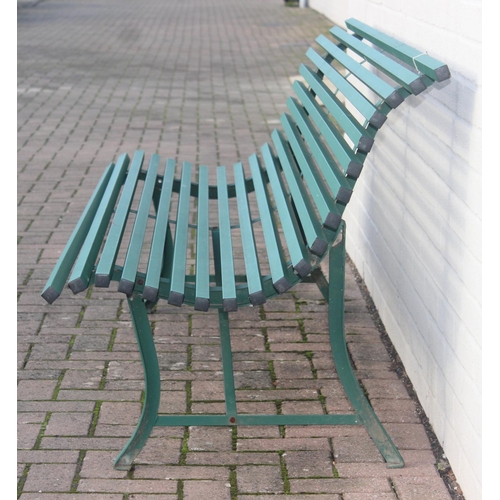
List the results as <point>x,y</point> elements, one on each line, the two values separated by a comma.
<point>203,81</point>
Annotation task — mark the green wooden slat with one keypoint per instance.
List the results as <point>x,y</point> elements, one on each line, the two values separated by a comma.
<point>176,296</point>
<point>311,226</point>
<point>372,81</point>
<point>329,212</point>
<point>412,82</point>
<point>434,69</point>
<point>339,184</point>
<point>80,277</point>
<point>202,300</point>
<point>352,94</point>
<point>350,162</point>
<point>361,137</point>
<point>275,254</point>
<point>291,230</point>
<point>134,250</point>
<point>60,273</point>
<point>107,261</point>
<point>252,267</point>
<point>226,245</point>
<point>160,250</point>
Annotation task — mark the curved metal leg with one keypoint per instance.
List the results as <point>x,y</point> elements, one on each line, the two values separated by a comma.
<point>149,358</point>
<point>341,359</point>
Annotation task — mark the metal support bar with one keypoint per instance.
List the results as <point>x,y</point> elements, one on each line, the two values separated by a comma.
<point>342,362</point>
<point>149,358</point>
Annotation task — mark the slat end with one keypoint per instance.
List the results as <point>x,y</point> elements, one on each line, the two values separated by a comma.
<point>365,144</point>
<point>175,298</point>
<point>50,295</point>
<point>344,195</point>
<point>332,221</point>
<point>442,73</point>
<point>378,119</point>
<point>257,298</point>
<point>126,287</point>
<point>302,268</point>
<point>394,100</point>
<point>418,86</point>
<point>282,285</point>
<point>102,280</point>
<point>150,293</point>
<point>229,305</point>
<point>77,285</point>
<point>354,169</point>
<point>318,247</point>
<point>201,304</point>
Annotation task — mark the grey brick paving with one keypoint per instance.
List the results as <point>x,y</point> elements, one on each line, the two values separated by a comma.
<point>202,81</point>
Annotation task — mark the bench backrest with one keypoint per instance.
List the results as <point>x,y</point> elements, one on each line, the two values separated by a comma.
<point>331,126</point>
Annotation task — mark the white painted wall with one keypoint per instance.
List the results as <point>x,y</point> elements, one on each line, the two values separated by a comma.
<point>414,224</point>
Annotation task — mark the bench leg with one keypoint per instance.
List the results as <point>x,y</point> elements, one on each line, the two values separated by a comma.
<point>346,374</point>
<point>149,358</point>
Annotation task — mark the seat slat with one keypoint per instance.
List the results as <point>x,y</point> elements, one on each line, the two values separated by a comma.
<point>176,295</point>
<point>272,241</point>
<point>340,185</point>
<point>161,243</point>
<point>301,261</point>
<point>372,81</point>
<point>434,69</point>
<point>131,264</point>
<point>372,115</point>
<point>252,268</point>
<point>362,138</point>
<point>311,226</point>
<point>110,251</point>
<point>330,214</point>
<point>61,271</point>
<point>80,277</point>
<point>202,290</point>
<point>350,162</point>
<point>412,82</point>
<point>226,247</point>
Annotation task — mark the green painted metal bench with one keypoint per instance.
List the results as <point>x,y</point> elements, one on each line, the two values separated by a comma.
<point>285,213</point>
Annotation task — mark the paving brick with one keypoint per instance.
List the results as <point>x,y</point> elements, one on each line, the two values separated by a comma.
<point>209,490</point>
<point>259,479</point>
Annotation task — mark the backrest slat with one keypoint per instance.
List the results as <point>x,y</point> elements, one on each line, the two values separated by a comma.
<point>252,268</point>
<point>362,138</point>
<point>351,93</point>
<point>390,95</point>
<point>412,82</point>
<point>310,224</point>
<point>275,254</point>
<point>299,255</point>
<point>80,277</point>
<point>110,251</point>
<point>202,290</point>
<point>330,214</point>
<point>339,184</point>
<point>160,255</point>
<point>431,67</point>
<point>61,271</point>
<point>176,295</point>
<point>131,264</point>
<point>226,244</point>
<point>350,162</point>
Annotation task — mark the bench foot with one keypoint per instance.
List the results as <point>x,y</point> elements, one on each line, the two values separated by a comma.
<point>335,297</point>
<point>149,415</point>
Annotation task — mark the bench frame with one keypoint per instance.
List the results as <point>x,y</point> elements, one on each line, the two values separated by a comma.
<point>333,292</point>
